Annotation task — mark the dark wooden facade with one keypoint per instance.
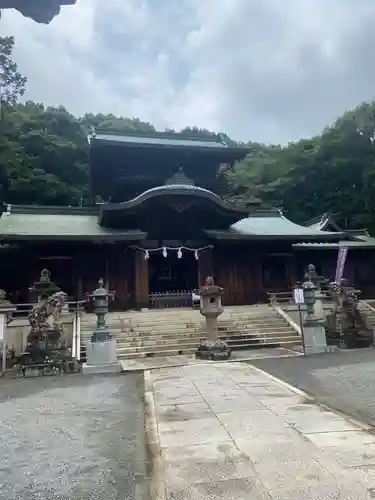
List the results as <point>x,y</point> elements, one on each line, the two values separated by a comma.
<point>246,270</point>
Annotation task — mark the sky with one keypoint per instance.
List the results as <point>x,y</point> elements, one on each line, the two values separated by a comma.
<point>271,71</point>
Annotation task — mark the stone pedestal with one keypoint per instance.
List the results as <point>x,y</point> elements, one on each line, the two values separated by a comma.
<point>315,337</point>
<point>212,328</point>
<point>318,306</point>
<point>212,348</point>
<point>211,308</point>
<point>101,357</point>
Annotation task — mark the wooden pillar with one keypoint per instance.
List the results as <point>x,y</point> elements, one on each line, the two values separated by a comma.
<point>79,287</point>
<point>78,281</point>
<point>291,271</point>
<point>258,293</point>
<point>120,269</point>
<point>205,265</point>
<point>141,281</point>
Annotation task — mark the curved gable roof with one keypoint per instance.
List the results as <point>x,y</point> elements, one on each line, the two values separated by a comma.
<point>175,190</point>
<point>272,223</point>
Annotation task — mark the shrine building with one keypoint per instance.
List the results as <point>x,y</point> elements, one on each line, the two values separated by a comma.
<point>163,227</point>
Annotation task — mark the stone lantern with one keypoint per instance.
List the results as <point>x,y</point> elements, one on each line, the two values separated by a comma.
<point>318,281</point>
<point>6,310</point>
<point>211,308</point>
<point>44,288</point>
<point>313,329</point>
<point>309,296</point>
<point>101,349</point>
<point>100,298</point>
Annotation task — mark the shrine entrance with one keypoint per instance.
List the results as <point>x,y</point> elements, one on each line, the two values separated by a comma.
<point>172,279</point>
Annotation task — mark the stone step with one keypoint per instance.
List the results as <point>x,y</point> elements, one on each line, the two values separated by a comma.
<point>196,340</point>
<point>159,339</point>
<point>186,313</point>
<point>190,351</point>
<point>121,347</point>
<point>183,334</point>
<point>183,312</point>
<point>178,338</point>
<point>172,332</point>
<point>181,324</point>
<point>161,317</point>
<point>191,332</point>
<point>233,335</point>
<point>187,326</point>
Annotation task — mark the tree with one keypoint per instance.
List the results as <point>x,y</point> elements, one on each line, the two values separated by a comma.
<point>45,156</point>
<point>332,172</point>
<point>12,83</point>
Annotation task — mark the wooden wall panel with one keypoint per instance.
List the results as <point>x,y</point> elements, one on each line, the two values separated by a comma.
<point>205,265</point>
<point>93,268</point>
<point>122,278</point>
<point>239,273</point>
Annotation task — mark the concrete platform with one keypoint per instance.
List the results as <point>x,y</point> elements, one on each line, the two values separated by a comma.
<point>230,431</point>
<point>101,369</point>
<point>151,363</point>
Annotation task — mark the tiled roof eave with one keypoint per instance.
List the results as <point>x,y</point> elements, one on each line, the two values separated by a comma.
<point>355,245</point>
<point>233,235</point>
<point>121,236</point>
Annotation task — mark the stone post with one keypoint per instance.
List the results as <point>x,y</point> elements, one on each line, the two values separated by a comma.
<point>101,349</point>
<point>317,280</point>
<point>6,310</point>
<point>212,348</point>
<point>314,332</point>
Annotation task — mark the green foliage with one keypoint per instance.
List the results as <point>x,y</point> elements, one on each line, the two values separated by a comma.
<point>333,172</point>
<point>12,83</point>
<point>44,153</point>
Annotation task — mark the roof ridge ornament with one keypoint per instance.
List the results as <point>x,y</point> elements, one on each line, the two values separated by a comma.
<point>179,178</point>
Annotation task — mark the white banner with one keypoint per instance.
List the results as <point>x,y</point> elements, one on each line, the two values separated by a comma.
<point>2,326</point>
<point>298,296</point>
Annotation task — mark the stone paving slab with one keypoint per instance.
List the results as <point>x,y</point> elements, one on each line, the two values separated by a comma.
<point>255,438</point>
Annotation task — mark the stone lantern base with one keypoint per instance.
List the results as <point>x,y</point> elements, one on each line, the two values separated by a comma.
<point>213,350</point>
<point>101,357</point>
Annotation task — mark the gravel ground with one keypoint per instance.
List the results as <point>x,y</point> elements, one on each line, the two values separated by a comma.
<point>343,380</point>
<point>72,437</point>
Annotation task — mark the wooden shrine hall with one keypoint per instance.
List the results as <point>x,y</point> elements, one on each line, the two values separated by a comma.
<point>164,227</point>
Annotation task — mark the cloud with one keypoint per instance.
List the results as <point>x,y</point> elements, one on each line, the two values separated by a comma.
<point>268,70</point>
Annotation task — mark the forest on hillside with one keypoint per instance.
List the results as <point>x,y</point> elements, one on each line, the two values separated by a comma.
<point>44,158</point>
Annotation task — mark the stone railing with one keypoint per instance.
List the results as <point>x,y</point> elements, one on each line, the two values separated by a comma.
<point>283,305</point>
<point>177,298</point>
<point>364,304</point>
<point>280,297</point>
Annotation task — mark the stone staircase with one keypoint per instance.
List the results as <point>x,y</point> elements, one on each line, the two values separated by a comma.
<point>369,311</point>
<point>172,332</point>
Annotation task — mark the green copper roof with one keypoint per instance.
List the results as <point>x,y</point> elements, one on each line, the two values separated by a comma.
<point>272,224</point>
<point>81,223</point>
<point>156,141</point>
<point>37,226</point>
<point>166,139</point>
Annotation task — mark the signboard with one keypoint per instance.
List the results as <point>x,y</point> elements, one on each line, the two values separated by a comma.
<point>298,296</point>
<point>340,266</point>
